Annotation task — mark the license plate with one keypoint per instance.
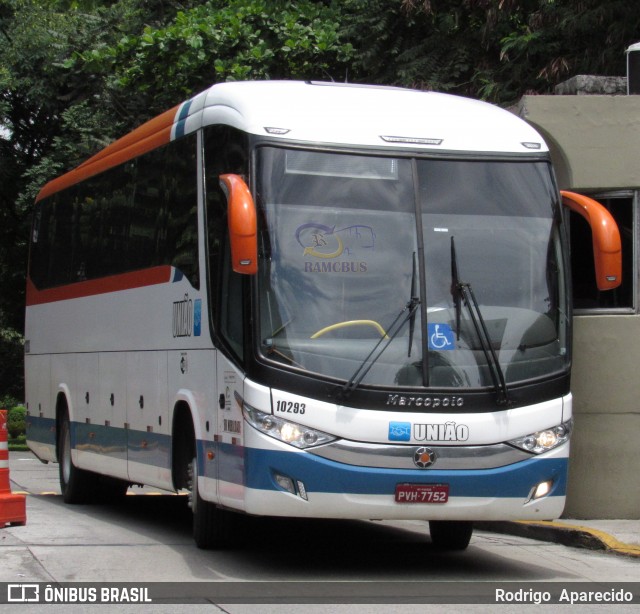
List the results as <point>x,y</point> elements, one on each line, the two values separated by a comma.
<point>422,493</point>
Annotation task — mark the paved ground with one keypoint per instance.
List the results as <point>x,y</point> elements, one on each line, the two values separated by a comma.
<point>615,536</point>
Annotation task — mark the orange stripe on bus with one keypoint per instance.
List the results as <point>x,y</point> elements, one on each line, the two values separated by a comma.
<point>104,285</point>
<point>151,135</point>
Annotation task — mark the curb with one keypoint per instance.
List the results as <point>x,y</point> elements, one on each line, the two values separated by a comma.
<point>561,533</point>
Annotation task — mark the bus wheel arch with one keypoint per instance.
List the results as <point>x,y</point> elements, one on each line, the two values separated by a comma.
<point>183,444</point>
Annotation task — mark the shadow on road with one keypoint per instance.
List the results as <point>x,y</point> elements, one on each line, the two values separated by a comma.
<point>302,549</point>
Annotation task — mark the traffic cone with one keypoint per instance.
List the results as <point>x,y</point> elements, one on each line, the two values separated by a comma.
<point>12,507</point>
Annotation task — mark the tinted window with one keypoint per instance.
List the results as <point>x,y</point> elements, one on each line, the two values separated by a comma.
<point>135,216</point>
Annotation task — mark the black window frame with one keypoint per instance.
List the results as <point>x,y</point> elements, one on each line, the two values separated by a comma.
<point>225,150</point>
<point>586,298</point>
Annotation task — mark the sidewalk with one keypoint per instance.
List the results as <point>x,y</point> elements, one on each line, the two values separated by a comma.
<point>614,536</point>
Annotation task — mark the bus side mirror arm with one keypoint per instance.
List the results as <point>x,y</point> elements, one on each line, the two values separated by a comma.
<point>607,247</point>
<point>243,224</point>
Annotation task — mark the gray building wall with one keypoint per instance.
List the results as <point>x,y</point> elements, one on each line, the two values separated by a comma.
<point>595,146</point>
<point>594,140</point>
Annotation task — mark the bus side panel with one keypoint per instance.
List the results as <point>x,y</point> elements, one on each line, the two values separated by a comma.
<point>192,382</point>
<point>93,433</point>
<point>230,440</point>
<point>148,434</point>
<point>86,395</point>
<point>41,425</point>
<point>101,443</point>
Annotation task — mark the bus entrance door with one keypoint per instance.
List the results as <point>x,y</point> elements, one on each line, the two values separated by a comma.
<point>230,435</point>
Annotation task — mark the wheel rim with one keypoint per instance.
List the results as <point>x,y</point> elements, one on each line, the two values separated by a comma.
<point>66,455</point>
<point>193,485</point>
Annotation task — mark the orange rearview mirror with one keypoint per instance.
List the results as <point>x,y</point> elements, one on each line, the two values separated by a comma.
<point>607,247</point>
<point>243,224</point>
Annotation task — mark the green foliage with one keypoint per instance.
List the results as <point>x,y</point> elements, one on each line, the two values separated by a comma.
<point>11,364</point>
<point>218,41</point>
<point>16,422</point>
<point>7,401</point>
<point>16,428</point>
<point>492,49</point>
<point>416,44</point>
<point>556,39</point>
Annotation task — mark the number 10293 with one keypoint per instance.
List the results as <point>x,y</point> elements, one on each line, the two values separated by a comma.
<point>290,407</point>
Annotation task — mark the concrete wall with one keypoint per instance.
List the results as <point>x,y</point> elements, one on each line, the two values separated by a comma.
<point>595,146</point>
<point>594,140</point>
<point>604,471</point>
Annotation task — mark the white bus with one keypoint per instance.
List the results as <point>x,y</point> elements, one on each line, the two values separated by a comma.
<point>311,300</point>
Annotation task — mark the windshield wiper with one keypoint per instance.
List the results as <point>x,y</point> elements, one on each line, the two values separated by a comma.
<point>412,317</point>
<point>455,287</point>
<point>408,312</point>
<point>462,291</point>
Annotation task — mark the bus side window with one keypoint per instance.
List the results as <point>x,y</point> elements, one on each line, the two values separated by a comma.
<point>586,296</point>
<point>138,215</point>
<point>180,191</point>
<point>113,192</point>
<point>164,224</point>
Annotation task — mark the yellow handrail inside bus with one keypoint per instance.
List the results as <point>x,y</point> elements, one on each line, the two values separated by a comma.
<point>347,323</point>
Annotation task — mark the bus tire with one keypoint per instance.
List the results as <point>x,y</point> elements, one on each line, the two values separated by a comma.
<point>450,534</point>
<point>77,485</point>
<point>209,521</point>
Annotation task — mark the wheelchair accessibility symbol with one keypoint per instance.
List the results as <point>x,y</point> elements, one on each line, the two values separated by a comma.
<point>441,337</point>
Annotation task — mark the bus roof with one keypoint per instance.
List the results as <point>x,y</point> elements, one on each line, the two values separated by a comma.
<point>348,114</point>
<point>327,113</point>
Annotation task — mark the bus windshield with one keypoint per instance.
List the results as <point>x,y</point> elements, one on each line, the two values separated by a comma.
<point>410,272</point>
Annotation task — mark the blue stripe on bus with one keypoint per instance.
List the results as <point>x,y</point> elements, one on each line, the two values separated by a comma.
<point>322,475</point>
<point>183,114</point>
<point>42,430</point>
<point>100,439</point>
<point>255,468</point>
<point>180,128</point>
<point>143,447</point>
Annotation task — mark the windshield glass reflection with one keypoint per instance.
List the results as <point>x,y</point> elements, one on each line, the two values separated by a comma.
<point>340,260</point>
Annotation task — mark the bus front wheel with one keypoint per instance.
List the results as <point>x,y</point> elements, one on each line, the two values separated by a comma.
<point>450,534</point>
<point>209,521</point>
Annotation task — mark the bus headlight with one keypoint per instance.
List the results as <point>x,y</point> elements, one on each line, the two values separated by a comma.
<point>543,441</point>
<point>289,432</point>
